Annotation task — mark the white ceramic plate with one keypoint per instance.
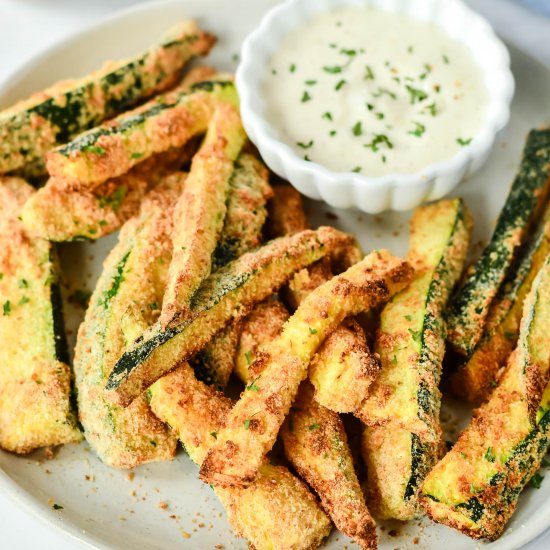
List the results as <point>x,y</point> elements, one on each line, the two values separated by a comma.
<point>105,507</point>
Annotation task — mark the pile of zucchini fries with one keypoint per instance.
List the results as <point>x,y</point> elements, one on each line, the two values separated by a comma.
<point>216,274</point>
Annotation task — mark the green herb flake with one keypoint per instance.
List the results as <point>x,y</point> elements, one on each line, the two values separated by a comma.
<point>416,95</point>
<point>335,69</point>
<point>102,223</point>
<point>417,335</point>
<point>408,317</point>
<point>96,149</point>
<point>24,300</point>
<point>380,116</point>
<point>214,435</point>
<point>384,91</point>
<point>332,133</point>
<point>23,283</point>
<point>248,357</point>
<point>153,306</point>
<point>312,330</point>
<point>369,74</point>
<point>536,480</point>
<point>379,140</point>
<point>340,84</point>
<point>357,169</point>
<point>418,131</point>
<point>410,49</point>
<point>311,82</point>
<point>246,424</point>
<point>432,109</point>
<point>394,360</point>
<point>292,68</point>
<point>464,141</point>
<point>136,155</point>
<point>357,129</point>
<point>56,506</point>
<point>445,59</point>
<point>253,386</point>
<point>7,308</point>
<point>489,455</point>
<point>306,97</point>
<point>313,427</point>
<point>328,116</point>
<point>303,145</point>
<point>370,106</point>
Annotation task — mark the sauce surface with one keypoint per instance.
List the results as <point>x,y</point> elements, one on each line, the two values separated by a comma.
<point>369,91</point>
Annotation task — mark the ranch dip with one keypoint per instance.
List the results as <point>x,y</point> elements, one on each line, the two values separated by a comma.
<point>369,91</point>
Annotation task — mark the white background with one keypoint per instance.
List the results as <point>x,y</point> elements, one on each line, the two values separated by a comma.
<point>27,27</point>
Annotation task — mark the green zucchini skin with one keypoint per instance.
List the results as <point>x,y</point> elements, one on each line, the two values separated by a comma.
<point>475,488</point>
<point>468,310</point>
<point>123,303</point>
<point>402,410</point>
<point>475,379</point>
<point>242,231</point>
<point>227,294</point>
<point>32,127</point>
<point>112,149</point>
<point>35,378</point>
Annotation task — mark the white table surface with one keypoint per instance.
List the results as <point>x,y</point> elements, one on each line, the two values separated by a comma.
<point>29,26</point>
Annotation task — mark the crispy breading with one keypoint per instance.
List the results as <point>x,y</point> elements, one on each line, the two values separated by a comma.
<point>200,212</point>
<point>475,488</point>
<point>252,426</point>
<point>166,122</point>
<point>123,302</point>
<point>35,379</point>
<point>277,511</point>
<point>228,294</point>
<point>343,369</point>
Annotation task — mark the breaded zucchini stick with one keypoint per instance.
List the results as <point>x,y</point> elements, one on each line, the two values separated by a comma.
<point>468,309</point>
<point>124,300</point>
<point>35,379</point>
<point>252,426</point>
<point>165,122</point>
<point>242,231</point>
<point>33,126</point>
<point>343,368</point>
<point>475,488</point>
<point>475,380</point>
<point>403,436</point>
<point>277,511</point>
<point>59,214</point>
<point>200,212</point>
<point>227,294</point>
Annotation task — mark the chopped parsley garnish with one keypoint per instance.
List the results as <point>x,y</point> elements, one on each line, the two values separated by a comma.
<point>312,330</point>
<point>327,116</point>
<point>248,357</point>
<point>410,49</point>
<point>417,335</point>
<point>153,306</point>
<point>292,68</point>
<point>333,70</point>
<point>416,95</point>
<point>418,131</point>
<point>379,140</point>
<point>408,317</point>
<point>306,97</point>
<point>246,424</point>
<point>489,455</point>
<point>350,53</point>
<point>23,283</point>
<point>304,145</point>
<point>369,74</point>
<point>332,133</point>
<point>94,149</point>
<point>370,106</point>
<point>427,71</point>
<point>312,427</point>
<point>339,85</point>
<point>384,91</point>
<point>115,199</point>
<point>432,109</point>
<point>136,155</point>
<point>56,506</point>
<point>463,141</point>
<point>357,129</point>
<point>24,300</point>
<point>380,116</point>
<point>252,386</point>
<point>214,435</point>
<point>7,308</point>
<point>311,82</point>
<point>357,169</point>
<point>445,59</point>
<point>536,480</point>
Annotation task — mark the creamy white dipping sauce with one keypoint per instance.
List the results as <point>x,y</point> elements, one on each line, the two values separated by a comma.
<point>369,91</point>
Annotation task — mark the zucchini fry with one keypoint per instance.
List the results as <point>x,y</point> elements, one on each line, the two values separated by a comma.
<point>67,215</point>
<point>314,438</point>
<point>35,379</point>
<point>252,426</point>
<point>475,380</point>
<point>475,488</point>
<point>242,231</point>
<point>33,126</point>
<point>277,511</point>
<point>123,302</point>
<point>227,294</point>
<point>468,309</point>
<point>165,122</point>
<point>343,368</point>
<point>402,439</point>
<point>200,211</point>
